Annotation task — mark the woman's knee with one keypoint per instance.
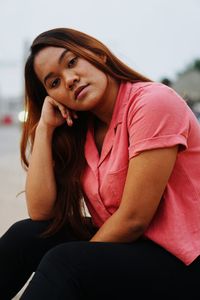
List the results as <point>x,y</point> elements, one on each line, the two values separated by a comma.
<point>57,274</point>
<point>24,229</point>
<point>23,245</point>
<point>67,255</point>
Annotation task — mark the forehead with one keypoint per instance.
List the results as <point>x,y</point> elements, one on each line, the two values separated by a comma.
<point>48,54</point>
<point>46,59</point>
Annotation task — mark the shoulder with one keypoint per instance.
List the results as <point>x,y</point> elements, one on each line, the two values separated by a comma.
<point>154,118</point>
<point>154,97</point>
<point>154,91</point>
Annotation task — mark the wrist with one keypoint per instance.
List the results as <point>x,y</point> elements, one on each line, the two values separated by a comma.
<point>45,128</point>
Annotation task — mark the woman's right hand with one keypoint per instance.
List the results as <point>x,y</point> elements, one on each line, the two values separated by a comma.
<point>55,114</point>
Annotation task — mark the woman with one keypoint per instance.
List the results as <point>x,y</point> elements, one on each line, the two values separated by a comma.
<point>106,140</point>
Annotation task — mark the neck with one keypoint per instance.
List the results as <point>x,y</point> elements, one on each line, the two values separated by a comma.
<point>105,110</point>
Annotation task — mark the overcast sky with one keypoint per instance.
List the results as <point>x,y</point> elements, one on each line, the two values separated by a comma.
<point>158,38</point>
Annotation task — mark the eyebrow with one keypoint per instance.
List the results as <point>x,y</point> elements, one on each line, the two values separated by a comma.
<point>59,62</point>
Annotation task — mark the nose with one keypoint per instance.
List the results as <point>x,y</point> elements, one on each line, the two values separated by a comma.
<point>70,80</point>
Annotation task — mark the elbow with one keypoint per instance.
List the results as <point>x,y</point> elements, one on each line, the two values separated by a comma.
<point>37,211</point>
<point>40,217</point>
<point>137,228</point>
<point>134,223</point>
<point>36,215</point>
<point>131,226</point>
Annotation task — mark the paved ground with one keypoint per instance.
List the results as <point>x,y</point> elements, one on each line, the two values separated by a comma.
<point>12,178</point>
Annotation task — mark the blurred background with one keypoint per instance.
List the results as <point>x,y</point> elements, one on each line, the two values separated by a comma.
<point>159,38</point>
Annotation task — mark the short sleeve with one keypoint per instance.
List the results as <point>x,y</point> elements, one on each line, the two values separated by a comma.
<point>157,118</point>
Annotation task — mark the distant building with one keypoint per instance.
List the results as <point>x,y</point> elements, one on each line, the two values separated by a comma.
<point>9,109</point>
<point>188,85</point>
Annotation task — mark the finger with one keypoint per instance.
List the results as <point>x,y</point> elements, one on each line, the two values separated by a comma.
<point>68,118</point>
<point>74,114</point>
<point>70,114</point>
<point>65,114</point>
<point>63,110</point>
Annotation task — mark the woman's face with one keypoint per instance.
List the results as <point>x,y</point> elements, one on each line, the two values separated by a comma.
<point>69,79</point>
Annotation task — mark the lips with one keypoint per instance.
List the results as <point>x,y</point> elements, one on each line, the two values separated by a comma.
<point>79,90</point>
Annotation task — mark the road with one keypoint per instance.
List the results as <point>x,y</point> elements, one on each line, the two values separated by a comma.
<point>12,179</point>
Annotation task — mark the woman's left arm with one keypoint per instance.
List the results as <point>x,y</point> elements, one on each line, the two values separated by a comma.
<point>147,176</point>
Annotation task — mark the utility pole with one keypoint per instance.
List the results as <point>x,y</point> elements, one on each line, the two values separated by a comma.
<point>13,105</point>
<point>5,65</point>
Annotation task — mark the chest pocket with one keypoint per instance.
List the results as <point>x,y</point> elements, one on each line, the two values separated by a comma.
<point>114,186</point>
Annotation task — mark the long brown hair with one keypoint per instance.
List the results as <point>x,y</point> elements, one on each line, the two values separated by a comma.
<point>68,142</point>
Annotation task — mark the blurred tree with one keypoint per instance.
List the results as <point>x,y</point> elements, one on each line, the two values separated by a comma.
<point>166,81</point>
<point>196,65</point>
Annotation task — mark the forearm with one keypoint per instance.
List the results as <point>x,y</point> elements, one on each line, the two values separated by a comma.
<point>118,228</point>
<point>40,182</point>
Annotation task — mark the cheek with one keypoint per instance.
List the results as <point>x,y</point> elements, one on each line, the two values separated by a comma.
<point>103,83</point>
<point>60,96</point>
<point>100,80</point>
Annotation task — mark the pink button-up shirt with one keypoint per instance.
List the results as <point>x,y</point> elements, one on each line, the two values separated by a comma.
<point>149,116</point>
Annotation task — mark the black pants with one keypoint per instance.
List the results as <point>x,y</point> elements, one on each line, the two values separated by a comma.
<point>68,269</point>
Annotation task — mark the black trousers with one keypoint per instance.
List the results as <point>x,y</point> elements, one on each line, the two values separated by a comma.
<point>65,268</point>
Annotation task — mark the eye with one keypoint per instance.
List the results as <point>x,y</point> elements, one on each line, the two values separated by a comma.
<point>54,83</point>
<point>72,62</point>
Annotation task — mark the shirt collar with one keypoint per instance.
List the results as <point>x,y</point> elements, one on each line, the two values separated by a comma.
<point>120,104</point>
<point>91,152</point>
